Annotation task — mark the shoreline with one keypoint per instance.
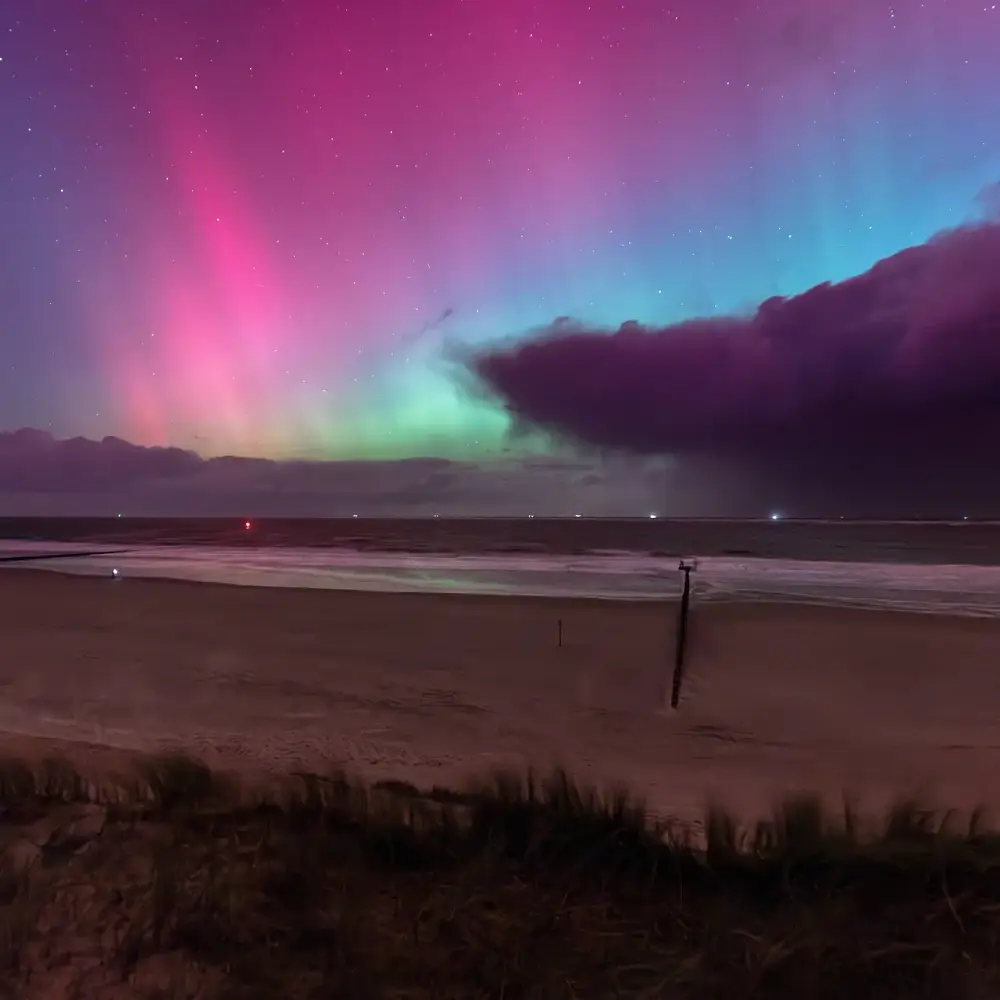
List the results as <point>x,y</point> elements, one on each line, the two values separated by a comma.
<point>959,591</point>
<point>669,600</point>
<point>396,595</point>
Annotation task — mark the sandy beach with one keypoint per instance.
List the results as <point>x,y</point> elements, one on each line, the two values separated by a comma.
<point>427,688</point>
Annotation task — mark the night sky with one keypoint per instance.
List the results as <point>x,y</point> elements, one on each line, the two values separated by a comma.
<point>289,229</point>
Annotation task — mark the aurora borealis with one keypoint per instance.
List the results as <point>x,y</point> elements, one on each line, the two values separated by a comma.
<point>252,228</point>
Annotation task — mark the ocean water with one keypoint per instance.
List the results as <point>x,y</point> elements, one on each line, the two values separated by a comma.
<point>954,588</point>
<point>927,542</point>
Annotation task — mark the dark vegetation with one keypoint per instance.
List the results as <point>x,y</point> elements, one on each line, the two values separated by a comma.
<point>175,881</point>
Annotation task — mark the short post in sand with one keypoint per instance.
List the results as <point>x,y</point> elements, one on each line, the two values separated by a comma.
<point>682,620</point>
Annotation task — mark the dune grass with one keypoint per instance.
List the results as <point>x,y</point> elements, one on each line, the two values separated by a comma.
<point>174,881</point>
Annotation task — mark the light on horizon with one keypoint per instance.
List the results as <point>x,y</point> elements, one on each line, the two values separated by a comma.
<point>775,515</point>
<point>247,525</point>
<point>652,517</point>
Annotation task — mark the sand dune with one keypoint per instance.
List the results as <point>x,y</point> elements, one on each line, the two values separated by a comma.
<point>429,688</point>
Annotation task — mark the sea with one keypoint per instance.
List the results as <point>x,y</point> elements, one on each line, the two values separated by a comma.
<point>923,566</point>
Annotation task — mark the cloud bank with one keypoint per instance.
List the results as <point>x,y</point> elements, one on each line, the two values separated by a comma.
<point>890,377</point>
<point>41,475</point>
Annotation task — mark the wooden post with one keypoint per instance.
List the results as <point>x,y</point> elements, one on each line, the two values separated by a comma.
<point>675,690</point>
<point>560,633</point>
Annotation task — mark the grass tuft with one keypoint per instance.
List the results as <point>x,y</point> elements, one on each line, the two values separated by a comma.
<point>17,782</point>
<point>176,780</point>
<point>517,885</point>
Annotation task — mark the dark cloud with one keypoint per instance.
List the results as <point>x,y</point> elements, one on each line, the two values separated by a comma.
<point>892,376</point>
<point>42,475</point>
<point>33,460</point>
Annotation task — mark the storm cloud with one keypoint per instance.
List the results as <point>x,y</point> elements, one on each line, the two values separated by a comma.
<point>892,374</point>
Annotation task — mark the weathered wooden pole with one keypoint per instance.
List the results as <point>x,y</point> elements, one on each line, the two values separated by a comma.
<point>682,620</point>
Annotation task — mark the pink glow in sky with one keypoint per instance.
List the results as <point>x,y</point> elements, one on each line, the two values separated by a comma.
<point>233,226</point>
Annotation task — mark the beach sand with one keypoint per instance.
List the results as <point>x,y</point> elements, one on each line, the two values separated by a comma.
<point>430,688</point>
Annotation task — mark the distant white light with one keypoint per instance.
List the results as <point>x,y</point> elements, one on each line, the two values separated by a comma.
<point>354,515</point>
<point>114,572</point>
<point>652,517</point>
<point>775,516</point>
<point>119,515</point>
<point>247,525</point>
<point>578,515</point>
<point>531,515</point>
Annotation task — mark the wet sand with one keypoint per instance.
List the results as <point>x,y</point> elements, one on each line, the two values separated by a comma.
<point>430,688</point>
